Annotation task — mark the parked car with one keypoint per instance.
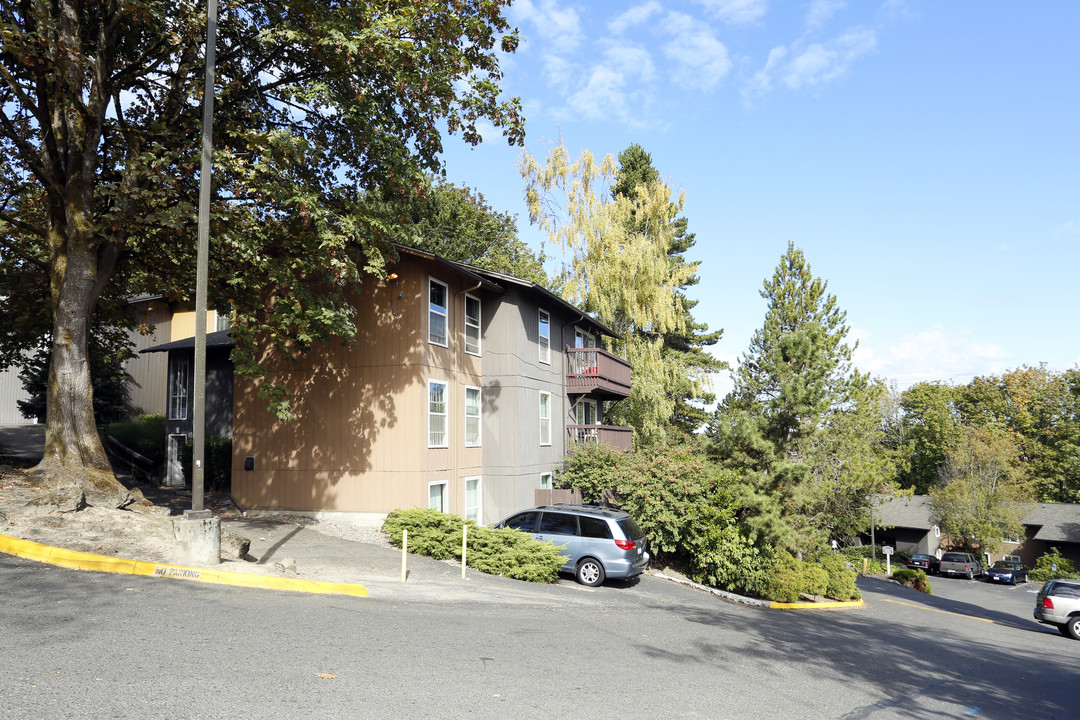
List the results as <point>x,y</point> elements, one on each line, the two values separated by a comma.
<point>963,564</point>
<point>900,559</point>
<point>600,542</point>
<point>927,563</point>
<point>1007,571</point>
<point>1058,603</point>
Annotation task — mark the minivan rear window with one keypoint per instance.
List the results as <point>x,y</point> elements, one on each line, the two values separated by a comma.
<point>555,523</point>
<point>592,527</point>
<point>631,529</point>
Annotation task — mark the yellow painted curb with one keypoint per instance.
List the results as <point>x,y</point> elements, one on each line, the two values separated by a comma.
<point>99,563</point>
<point>817,606</point>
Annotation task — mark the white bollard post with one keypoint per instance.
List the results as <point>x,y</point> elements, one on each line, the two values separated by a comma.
<point>404,550</point>
<point>464,547</point>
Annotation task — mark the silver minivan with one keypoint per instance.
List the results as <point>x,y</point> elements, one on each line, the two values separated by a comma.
<point>600,542</point>
<point>1058,603</point>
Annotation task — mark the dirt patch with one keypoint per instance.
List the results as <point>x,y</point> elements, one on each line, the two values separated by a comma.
<point>144,535</point>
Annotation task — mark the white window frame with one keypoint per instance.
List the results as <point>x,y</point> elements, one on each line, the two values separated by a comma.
<point>581,412</point>
<point>179,387</point>
<point>475,442</point>
<point>445,414</point>
<point>544,341</point>
<point>545,481</point>
<point>1011,540</point>
<point>475,326</point>
<point>444,496</point>
<point>545,421</point>
<point>442,311</point>
<point>474,512</point>
<point>583,339</point>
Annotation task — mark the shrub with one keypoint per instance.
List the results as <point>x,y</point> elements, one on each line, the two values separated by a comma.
<point>719,553</point>
<point>506,552</point>
<point>915,579</point>
<point>145,435</point>
<point>1045,567</point>
<point>855,555</point>
<point>841,579</point>
<point>217,475</point>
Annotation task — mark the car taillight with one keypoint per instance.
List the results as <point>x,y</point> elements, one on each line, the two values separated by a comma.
<point>625,544</point>
<point>1048,603</point>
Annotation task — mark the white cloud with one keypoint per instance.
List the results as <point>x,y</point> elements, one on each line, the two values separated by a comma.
<point>737,12</point>
<point>761,83</point>
<point>821,11</point>
<point>560,27</point>
<point>1068,228</point>
<point>929,355</point>
<point>618,87</point>
<point>821,63</point>
<point>701,61</point>
<point>634,16</point>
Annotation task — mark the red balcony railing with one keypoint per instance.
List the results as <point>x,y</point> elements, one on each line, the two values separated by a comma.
<point>592,371</point>
<point>620,438</point>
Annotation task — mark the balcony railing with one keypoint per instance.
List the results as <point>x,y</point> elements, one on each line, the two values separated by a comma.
<point>620,438</point>
<point>592,371</point>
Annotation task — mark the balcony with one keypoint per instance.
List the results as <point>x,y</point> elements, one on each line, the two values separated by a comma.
<point>596,372</point>
<point>620,438</point>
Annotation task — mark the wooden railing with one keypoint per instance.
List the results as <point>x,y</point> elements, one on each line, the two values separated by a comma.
<point>592,371</point>
<point>126,459</point>
<point>620,438</point>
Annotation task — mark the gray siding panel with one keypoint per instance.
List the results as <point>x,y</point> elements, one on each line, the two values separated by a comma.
<point>11,391</point>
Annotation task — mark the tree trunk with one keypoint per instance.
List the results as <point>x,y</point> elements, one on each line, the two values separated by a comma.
<point>75,467</point>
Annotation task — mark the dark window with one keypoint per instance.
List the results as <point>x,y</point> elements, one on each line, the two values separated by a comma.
<point>595,528</point>
<point>525,521</point>
<point>558,524</point>
<point>1065,590</point>
<point>631,529</point>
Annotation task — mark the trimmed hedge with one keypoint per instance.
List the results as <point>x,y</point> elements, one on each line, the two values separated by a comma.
<point>510,553</point>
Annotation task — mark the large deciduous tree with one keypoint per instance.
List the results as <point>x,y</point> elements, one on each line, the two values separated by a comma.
<point>320,109</point>
<point>983,492</point>
<point>681,348</point>
<point>457,223</point>
<point>619,270</point>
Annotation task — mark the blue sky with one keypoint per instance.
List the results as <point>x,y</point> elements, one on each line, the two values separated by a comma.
<point>924,155</point>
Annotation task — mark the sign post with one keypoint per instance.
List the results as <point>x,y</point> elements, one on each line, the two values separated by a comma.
<point>887,550</point>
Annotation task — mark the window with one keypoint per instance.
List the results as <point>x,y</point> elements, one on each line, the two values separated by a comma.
<point>472,499</point>
<point>179,383</point>
<point>437,312</point>
<point>545,418</point>
<point>472,416</point>
<point>1011,540</point>
<point>583,339</point>
<point>556,523</point>
<point>545,337</point>
<point>587,413</point>
<point>472,325</point>
<point>437,414</point>
<point>437,496</point>
<point>545,481</point>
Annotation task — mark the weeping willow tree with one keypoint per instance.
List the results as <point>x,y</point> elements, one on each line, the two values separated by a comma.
<point>617,269</point>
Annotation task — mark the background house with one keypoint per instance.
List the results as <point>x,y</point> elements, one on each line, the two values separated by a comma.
<point>1046,526</point>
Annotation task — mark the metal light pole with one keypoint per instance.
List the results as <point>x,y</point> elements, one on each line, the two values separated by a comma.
<point>202,267</point>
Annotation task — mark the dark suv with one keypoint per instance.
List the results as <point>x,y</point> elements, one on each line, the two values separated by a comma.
<point>600,542</point>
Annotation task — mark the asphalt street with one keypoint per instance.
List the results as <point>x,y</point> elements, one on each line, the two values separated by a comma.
<point>79,644</point>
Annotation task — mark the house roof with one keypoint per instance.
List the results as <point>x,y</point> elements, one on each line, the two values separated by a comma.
<point>219,339</point>
<point>1056,522</point>
<point>903,512</point>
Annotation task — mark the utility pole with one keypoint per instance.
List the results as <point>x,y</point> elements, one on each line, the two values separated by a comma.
<point>202,266</point>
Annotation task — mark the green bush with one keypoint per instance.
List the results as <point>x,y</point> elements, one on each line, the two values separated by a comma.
<point>915,579</point>
<point>841,578</point>
<point>510,553</point>
<point>788,581</point>
<point>217,475</point>
<point>855,555</point>
<point>1044,567</point>
<point>145,435</point>
<point>718,552</point>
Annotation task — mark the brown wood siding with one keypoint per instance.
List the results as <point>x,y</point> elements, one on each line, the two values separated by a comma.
<point>359,441</point>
